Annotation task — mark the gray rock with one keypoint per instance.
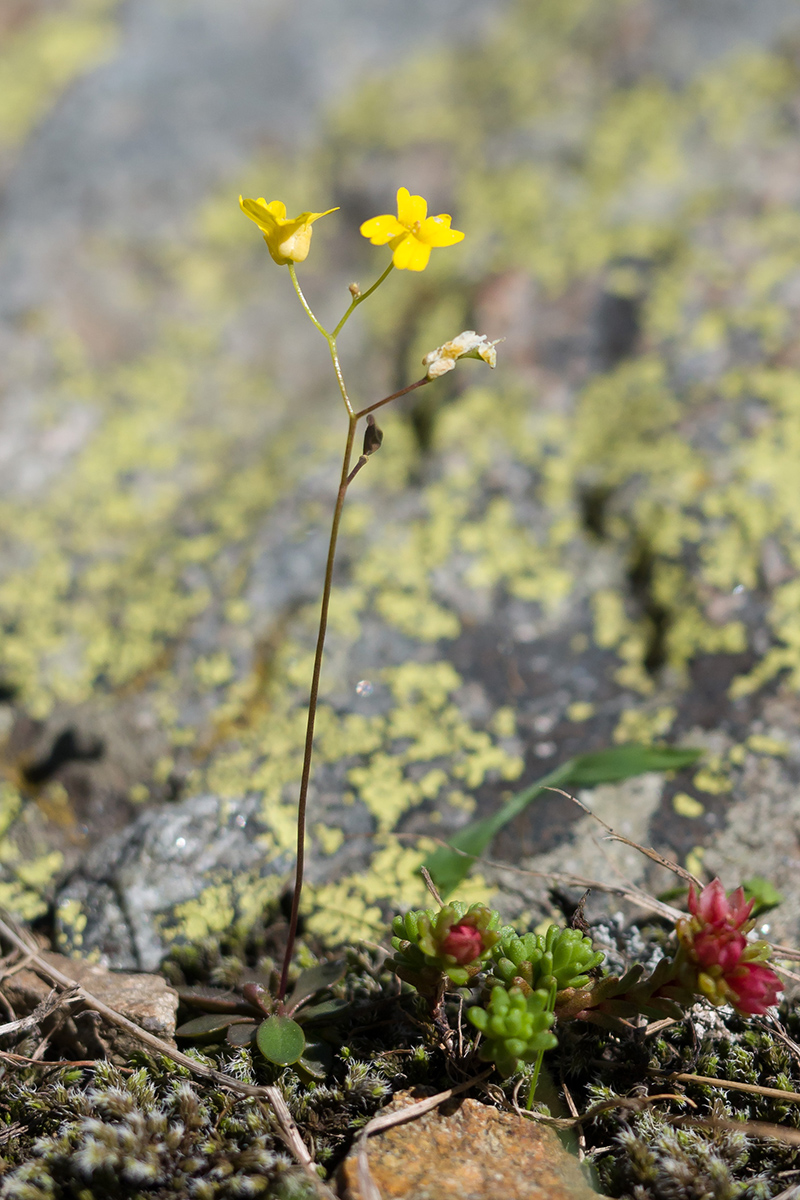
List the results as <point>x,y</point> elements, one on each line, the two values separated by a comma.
<point>145,880</point>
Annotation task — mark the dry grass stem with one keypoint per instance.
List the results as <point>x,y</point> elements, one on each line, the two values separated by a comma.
<point>733,1085</point>
<point>752,1129</point>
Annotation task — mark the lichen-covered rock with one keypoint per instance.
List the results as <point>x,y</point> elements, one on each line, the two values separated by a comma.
<point>190,869</point>
<point>600,547</point>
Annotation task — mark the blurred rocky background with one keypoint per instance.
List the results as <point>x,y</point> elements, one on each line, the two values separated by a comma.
<point>598,543</point>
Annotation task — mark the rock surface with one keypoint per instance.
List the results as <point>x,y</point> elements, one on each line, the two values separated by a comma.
<point>145,999</point>
<point>598,543</point>
<point>466,1150</point>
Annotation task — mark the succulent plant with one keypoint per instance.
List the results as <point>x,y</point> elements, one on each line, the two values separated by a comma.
<point>560,957</point>
<point>453,942</point>
<point>515,1027</point>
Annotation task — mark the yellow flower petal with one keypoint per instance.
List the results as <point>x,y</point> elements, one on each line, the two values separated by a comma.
<point>381,230</point>
<point>436,231</point>
<point>257,211</point>
<point>287,240</point>
<point>277,208</point>
<point>295,247</point>
<point>410,209</point>
<point>411,255</point>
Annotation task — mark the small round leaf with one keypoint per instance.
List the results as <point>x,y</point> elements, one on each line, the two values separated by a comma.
<point>281,1040</point>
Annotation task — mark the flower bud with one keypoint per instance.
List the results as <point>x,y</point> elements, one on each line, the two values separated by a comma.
<point>373,437</point>
<point>717,959</point>
<point>464,943</point>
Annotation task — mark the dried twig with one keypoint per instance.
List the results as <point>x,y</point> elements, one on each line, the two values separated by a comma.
<point>732,1085</point>
<point>783,971</point>
<point>49,1005</point>
<point>790,1193</point>
<point>7,1132</point>
<point>786,951</point>
<point>574,1113</point>
<point>619,837</point>
<point>774,1028</point>
<point>753,1129</point>
<point>624,889</point>
<point>8,1056</point>
<point>431,886</point>
<point>635,1103</point>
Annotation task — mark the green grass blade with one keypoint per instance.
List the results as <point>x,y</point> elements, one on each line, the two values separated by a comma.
<point>448,868</point>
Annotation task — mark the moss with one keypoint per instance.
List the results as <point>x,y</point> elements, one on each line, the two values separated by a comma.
<point>152,1132</point>
<point>133,1134</point>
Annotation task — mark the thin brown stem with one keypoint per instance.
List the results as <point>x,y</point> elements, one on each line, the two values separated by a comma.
<point>313,699</point>
<point>362,462</point>
<point>346,478</point>
<point>394,396</point>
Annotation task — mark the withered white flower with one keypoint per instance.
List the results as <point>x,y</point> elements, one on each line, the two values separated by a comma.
<point>468,344</point>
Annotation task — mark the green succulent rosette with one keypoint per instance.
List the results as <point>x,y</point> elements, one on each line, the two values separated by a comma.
<point>560,958</point>
<point>515,1027</point>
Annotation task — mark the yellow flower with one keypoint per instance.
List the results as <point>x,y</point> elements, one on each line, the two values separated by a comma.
<point>412,233</point>
<point>287,240</point>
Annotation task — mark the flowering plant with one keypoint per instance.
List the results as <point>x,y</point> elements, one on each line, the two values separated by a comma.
<point>288,239</point>
<point>452,943</point>
<point>431,946</point>
<point>720,962</point>
<point>412,234</point>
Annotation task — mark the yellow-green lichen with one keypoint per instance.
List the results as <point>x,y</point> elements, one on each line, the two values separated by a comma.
<point>351,908</point>
<point>580,710</point>
<point>637,726</point>
<point>686,805</point>
<point>761,743</point>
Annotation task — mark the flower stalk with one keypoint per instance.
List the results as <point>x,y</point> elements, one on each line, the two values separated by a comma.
<point>412,235</point>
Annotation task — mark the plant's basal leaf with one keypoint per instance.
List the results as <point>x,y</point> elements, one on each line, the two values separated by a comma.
<point>314,979</point>
<point>448,868</point>
<point>326,1010</point>
<point>317,1059</point>
<point>281,1040</point>
<point>213,999</point>
<point>204,1028</point>
<point>623,762</point>
<point>243,1034</point>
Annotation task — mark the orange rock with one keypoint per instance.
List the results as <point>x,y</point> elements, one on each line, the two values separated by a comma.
<point>465,1150</point>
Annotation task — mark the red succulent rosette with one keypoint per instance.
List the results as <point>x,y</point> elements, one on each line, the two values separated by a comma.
<point>719,962</point>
